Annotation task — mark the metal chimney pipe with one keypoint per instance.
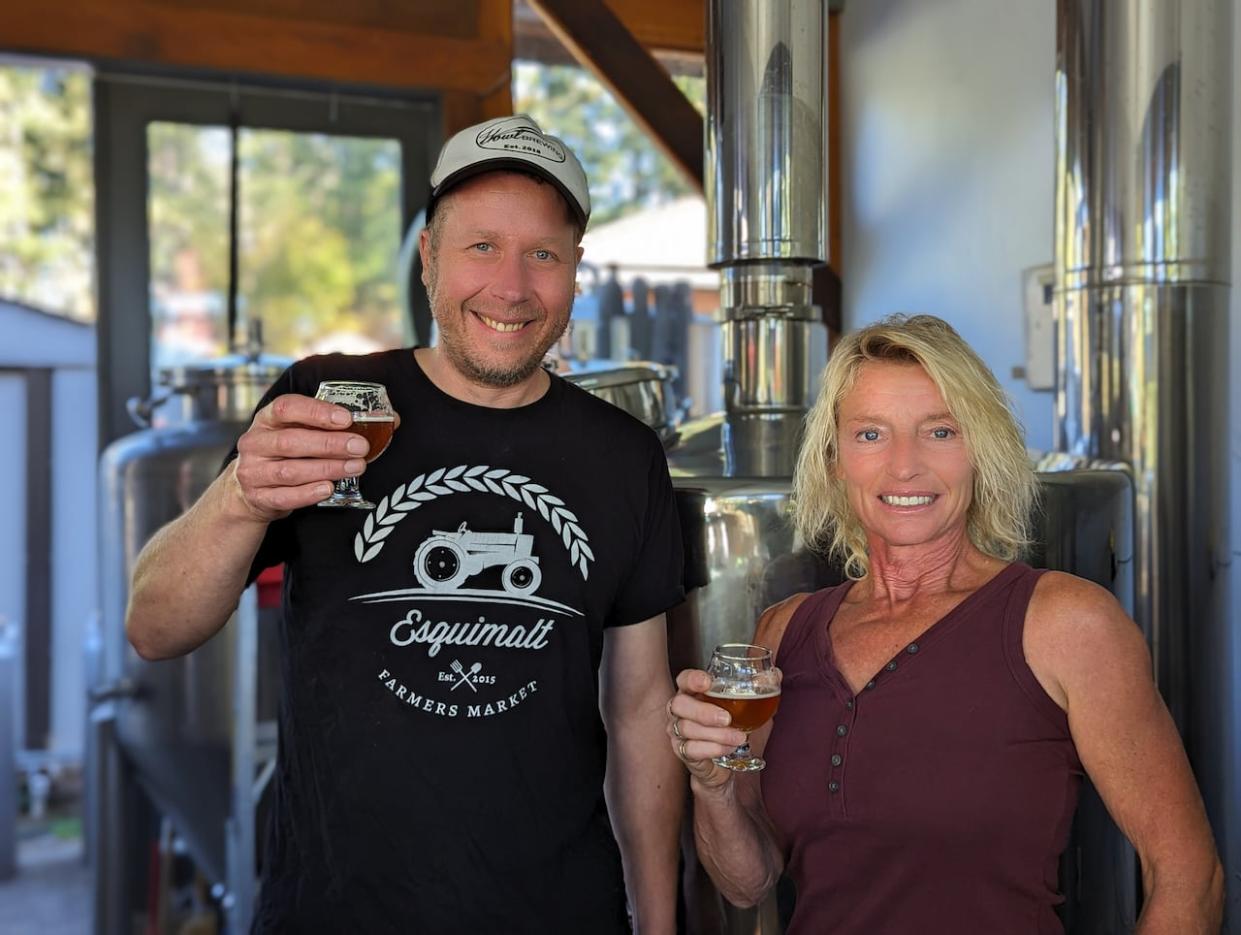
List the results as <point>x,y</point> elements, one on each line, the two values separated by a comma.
<point>1143,188</point>
<point>765,129</point>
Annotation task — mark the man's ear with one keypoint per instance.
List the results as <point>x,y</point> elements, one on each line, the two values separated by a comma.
<point>424,252</point>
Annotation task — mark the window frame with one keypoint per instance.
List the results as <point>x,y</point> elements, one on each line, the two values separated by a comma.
<point>126,103</point>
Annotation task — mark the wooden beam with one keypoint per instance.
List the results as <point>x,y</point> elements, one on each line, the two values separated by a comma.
<point>460,109</point>
<point>434,17</point>
<point>672,26</point>
<point>219,38</point>
<point>495,24</point>
<point>597,39</point>
<point>675,25</point>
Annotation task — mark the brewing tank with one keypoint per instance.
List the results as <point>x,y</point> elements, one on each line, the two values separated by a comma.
<point>765,145</point>
<point>175,718</point>
<point>1142,290</point>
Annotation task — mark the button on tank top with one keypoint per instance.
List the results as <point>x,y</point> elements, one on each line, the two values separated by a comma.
<point>937,799</point>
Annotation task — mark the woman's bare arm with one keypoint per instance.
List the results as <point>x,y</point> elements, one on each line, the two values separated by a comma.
<point>1093,661</point>
<point>734,838</point>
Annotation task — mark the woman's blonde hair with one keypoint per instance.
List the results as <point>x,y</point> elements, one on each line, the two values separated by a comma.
<point>1004,484</point>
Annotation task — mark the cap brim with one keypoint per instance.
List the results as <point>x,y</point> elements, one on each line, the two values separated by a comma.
<point>516,165</point>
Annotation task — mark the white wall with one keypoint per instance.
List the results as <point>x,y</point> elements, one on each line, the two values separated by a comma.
<point>13,542</point>
<point>75,595</point>
<point>948,161</point>
<point>36,339</point>
<point>41,340</point>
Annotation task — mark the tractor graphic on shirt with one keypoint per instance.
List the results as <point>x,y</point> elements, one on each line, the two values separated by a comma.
<point>445,559</point>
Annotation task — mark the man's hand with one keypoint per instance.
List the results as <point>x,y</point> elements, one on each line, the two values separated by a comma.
<point>291,453</point>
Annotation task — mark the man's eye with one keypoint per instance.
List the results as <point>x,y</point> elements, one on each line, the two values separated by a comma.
<point>943,432</point>
<point>868,435</point>
<point>543,255</point>
<point>483,247</point>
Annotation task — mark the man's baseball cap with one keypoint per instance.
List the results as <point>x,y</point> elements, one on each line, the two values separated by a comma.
<point>515,143</point>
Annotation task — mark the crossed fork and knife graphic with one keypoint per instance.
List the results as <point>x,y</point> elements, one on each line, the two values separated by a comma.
<point>464,676</point>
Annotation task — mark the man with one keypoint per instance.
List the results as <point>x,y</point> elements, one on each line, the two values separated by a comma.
<point>448,654</point>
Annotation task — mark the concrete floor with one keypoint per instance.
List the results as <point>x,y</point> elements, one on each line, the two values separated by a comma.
<point>50,895</point>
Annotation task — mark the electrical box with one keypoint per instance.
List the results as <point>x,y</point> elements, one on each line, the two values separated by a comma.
<point>1040,316</point>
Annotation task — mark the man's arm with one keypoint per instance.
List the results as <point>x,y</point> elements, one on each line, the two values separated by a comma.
<point>189,577</point>
<point>645,786</point>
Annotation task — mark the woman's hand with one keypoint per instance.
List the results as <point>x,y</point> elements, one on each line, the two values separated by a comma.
<point>698,730</point>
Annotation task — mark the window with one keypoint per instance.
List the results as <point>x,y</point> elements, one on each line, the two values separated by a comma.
<point>47,230</point>
<point>319,232</point>
<point>303,229</point>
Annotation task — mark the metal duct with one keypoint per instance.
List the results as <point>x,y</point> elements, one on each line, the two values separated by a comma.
<point>1143,157</point>
<point>766,124</point>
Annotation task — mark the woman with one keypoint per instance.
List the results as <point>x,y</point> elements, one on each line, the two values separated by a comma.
<point>940,707</point>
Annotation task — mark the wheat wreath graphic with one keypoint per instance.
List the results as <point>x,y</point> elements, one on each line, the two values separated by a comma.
<point>462,479</point>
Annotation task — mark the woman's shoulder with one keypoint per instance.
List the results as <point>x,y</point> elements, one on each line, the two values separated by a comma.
<point>1073,627</point>
<point>775,620</point>
<point>1061,598</point>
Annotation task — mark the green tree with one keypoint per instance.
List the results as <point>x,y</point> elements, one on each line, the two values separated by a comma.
<point>627,171</point>
<point>318,234</point>
<point>46,189</point>
<point>321,229</point>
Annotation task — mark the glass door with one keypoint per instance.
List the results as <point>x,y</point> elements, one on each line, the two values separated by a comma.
<point>220,205</point>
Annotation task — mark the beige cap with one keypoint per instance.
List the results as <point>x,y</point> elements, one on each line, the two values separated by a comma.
<point>515,143</point>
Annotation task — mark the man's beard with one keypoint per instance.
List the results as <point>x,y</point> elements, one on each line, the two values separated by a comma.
<point>495,377</point>
<point>474,370</point>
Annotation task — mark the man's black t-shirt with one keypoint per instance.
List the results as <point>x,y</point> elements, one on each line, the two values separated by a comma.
<point>441,750</point>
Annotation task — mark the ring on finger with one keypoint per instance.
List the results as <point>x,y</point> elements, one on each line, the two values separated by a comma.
<point>681,750</point>
<point>676,729</point>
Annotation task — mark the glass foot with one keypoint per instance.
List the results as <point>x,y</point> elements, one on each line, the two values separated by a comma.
<point>357,501</point>
<point>741,762</point>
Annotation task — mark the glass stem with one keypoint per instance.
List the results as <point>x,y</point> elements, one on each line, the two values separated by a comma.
<point>348,487</point>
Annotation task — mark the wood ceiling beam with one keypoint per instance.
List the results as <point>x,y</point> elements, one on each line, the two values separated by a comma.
<point>602,44</point>
<point>669,26</point>
<point>673,25</point>
<point>201,36</point>
<point>495,24</point>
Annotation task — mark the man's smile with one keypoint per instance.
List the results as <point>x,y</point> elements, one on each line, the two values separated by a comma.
<point>504,327</point>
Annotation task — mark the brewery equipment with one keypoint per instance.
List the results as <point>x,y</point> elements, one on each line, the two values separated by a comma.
<point>196,733</point>
<point>642,389</point>
<point>1142,237</point>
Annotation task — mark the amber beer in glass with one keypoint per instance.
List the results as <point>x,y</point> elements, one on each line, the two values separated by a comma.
<point>377,429</point>
<point>746,684</point>
<point>748,712</point>
<point>373,419</point>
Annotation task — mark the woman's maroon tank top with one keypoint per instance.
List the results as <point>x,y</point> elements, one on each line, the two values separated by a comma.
<point>937,799</point>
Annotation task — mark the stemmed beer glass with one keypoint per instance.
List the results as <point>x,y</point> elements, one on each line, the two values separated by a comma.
<point>373,419</point>
<point>746,684</point>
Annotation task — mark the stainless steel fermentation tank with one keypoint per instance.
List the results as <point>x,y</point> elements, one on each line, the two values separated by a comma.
<point>1143,226</point>
<point>765,172</point>
<point>196,734</point>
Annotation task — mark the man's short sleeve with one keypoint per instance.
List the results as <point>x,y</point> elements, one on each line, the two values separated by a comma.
<point>654,584</point>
